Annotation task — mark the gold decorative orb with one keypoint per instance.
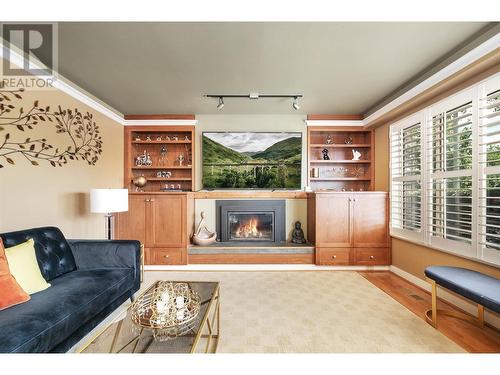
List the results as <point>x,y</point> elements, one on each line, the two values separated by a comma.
<point>140,181</point>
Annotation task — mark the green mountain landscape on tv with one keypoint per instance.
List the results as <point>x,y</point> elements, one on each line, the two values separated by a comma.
<point>276,167</point>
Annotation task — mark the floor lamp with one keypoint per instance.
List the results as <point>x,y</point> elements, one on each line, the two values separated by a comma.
<point>108,201</point>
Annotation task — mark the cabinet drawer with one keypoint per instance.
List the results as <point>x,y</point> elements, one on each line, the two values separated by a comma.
<point>167,256</point>
<point>329,256</point>
<point>372,256</point>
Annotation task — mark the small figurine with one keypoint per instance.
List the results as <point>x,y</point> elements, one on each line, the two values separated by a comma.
<point>137,138</point>
<point>325,154</point>
<point>162,160</point>
<point>180,158</point>
<point>356,155</point>
<point>298,234</point>
<point>186,138</point>
<point>158,138</point>
<point>143,160</point>
<point>348,140</point>
<point>202,235</point>
<point>167,138</point>
<point>148,138</point>
<point>179,187</point>
<point>175,138</point>
<point>329,140</point>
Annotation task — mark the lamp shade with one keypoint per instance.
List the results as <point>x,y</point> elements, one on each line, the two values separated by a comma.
<point>108,200</point>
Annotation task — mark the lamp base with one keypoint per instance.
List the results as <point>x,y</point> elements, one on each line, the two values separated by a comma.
<point>110,233</point>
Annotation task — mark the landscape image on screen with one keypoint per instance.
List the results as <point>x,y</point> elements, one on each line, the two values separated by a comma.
<point>250,160</point>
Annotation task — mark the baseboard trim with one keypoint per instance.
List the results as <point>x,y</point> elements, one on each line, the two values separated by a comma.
<point>470,307</point>
<point>263,267</point>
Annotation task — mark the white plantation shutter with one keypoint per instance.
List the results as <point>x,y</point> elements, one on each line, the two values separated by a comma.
<point>449,148</point>
<point>489,163</point>
<point>445,174</point>
<point>406,169</point>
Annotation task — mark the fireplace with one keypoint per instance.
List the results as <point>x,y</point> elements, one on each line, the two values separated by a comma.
<point>251,221</point>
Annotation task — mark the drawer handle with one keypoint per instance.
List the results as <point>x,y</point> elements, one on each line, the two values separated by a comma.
<point>372,257</point>
<point>165,256</point>
<point>146,200</point>
<point>151,200</point>
<point>334,257</point>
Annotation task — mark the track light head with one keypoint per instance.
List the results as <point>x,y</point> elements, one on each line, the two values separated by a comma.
<point>221,103</point>
<point>295,104</point>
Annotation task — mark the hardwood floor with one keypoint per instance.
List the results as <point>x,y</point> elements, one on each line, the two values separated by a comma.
<point>417,300</point>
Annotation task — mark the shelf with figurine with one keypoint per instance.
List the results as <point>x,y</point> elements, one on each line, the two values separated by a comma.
<point>340,158</point>
<point>158,155</point>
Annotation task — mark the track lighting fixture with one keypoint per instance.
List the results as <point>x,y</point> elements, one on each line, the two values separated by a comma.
<point>254,96</point>
<point>221,103</point>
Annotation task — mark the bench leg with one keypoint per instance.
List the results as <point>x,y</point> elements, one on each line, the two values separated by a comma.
<point>432,319</point>
<point>480,316</point>
<point>432,314</point>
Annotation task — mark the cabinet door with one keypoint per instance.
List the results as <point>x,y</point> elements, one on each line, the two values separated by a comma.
<point>333,220</point>
<point>370,224</point>
<point>166,221</point>
<point>131,225</point>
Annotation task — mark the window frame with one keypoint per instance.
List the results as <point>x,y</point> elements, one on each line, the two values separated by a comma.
<point>406,123</point>
<point>477,249</point>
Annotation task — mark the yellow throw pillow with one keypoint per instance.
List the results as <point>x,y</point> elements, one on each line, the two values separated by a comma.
<point>24,267</point>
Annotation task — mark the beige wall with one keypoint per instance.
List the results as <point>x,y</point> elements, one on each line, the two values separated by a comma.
<point>43,195</point>
<point>408,256</point>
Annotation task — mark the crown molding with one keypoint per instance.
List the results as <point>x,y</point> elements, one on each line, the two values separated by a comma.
<point>158,122</point>
<point>61,83</point>
<point>334,122</point>
<point>489,46</point>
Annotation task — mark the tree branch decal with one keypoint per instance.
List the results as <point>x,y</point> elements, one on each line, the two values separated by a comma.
<point>85,141</point>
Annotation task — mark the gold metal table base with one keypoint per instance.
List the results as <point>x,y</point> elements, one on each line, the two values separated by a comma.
<point>431,316</point>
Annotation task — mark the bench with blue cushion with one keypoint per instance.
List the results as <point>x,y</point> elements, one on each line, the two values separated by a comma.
<point>479,288</point>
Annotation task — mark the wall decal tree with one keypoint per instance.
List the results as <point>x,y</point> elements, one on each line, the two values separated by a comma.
<point>85,141</point>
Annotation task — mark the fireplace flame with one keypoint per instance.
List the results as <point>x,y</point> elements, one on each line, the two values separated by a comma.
<point>248,229</point>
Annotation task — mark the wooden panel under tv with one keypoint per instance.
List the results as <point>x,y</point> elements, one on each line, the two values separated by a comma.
<point>179,140</point>
<point>340,173</point>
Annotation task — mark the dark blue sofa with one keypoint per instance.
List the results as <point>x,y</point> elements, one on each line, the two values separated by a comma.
<point>89,279</point>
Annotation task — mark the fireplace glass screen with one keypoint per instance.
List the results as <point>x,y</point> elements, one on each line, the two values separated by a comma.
<point>250,226</point>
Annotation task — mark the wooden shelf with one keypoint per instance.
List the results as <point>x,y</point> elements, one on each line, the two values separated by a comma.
<point>341,161</point>
<point>340,179</point>
<point>340,156</point>
<point>164,167</point>
<point>161,142</point>
<point>169,179</point>
<point>249,194</point>
<point>357,145</point>
<point>182,175</point>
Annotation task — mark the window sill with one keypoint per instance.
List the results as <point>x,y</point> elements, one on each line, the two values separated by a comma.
<point>421,243</point>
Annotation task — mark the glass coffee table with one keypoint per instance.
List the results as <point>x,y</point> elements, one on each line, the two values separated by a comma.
<point>123,336</point>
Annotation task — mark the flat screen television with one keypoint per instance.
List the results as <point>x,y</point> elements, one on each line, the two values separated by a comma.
<point>251,160</point>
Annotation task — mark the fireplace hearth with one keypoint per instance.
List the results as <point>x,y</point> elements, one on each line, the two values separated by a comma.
<point>251,221</point>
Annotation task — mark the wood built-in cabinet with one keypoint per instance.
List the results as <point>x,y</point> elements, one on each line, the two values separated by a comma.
<point>162,222</point>
<point>340,172</point>
<point>349,228</point>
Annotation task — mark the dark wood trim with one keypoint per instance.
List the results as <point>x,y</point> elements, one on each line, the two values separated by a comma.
<point>250,194</point>
<point>159,117</point>
<point>250,258</point>
<point>336,117</point>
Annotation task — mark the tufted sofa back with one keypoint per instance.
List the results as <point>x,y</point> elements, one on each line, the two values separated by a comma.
<point>52,250</point>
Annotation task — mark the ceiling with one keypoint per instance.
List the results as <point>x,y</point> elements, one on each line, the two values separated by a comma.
<point>340,68</point>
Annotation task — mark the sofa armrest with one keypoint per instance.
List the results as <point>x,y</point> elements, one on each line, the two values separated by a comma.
<point>103,254</point>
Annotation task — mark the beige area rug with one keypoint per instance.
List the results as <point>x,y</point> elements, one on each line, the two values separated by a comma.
<point>312,312</point>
